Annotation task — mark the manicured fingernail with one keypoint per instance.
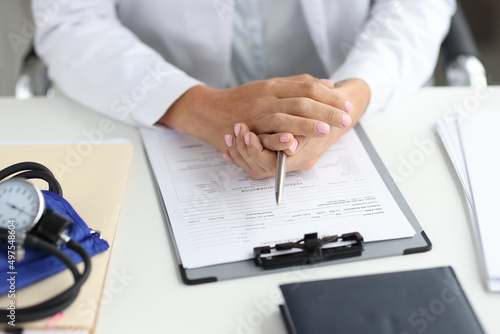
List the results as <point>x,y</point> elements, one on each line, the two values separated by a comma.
<point>285,138</point>
<point>348,106</point>
<point>330,82</point>
<point>229,140</point>
<point>294,145</point>
<point>227,157</point>
<point>237,128</point>
<point>346,120</point>
<point>247,138</point>
<point>323,128</point>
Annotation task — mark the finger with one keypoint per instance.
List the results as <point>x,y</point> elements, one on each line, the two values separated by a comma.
<point>328,83</point>
<point>310,150</point>
<point>261,160</point>
<point>239,161</point>
<point>307,77</point>
<point>316,90</point>
<point>299,142</point>
<point>299,77</point>
<point>299,125</point>
<point>237,152</point>
<point>304,108</point>
<point>227,155</point>
<point>233,155</point>
<point>278,141</point>
<point>309,108</point>
<point>293,148</point>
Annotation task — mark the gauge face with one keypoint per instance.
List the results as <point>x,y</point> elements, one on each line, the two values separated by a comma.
<point>21,203</point>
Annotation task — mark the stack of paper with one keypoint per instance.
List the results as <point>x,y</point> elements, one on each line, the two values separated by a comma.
<point>471,140</point>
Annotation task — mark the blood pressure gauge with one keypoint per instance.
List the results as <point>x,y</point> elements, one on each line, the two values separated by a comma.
<point>21,204</point>
<point>22,209</point>
<point>26,221</point>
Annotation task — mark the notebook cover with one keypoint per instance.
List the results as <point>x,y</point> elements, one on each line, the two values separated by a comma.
<point>427,301</point>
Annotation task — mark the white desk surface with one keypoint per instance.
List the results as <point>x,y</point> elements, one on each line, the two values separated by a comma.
<point>143,287</point>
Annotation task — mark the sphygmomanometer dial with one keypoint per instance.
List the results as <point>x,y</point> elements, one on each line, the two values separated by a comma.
<point>21,204</point>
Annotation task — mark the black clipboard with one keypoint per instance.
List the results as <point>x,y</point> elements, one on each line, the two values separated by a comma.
<point>416,244</point>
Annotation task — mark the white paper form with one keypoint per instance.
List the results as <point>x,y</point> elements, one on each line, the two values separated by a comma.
<point>219,214</point>
<point>479,138</point>
<point>448,132</point>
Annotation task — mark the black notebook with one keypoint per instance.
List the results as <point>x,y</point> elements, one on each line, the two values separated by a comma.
<point>429,301</point>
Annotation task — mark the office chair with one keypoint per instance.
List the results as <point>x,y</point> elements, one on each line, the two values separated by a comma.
<point>461,63</point>
<point>461,56</point>
<point>33,79</point>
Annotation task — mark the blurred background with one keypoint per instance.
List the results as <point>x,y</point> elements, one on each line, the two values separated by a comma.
<point>11,23</point>
<point>483,17</point>
<point>16,31</point>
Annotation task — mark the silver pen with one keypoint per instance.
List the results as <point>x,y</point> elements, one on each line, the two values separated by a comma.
<point>280,175</point>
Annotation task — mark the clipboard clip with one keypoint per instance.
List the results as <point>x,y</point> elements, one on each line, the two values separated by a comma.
<point>312,248</point>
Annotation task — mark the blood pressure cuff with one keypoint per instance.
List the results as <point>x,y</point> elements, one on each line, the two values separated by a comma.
<point>38,265</point>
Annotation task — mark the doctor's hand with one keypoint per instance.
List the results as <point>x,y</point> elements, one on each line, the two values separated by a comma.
<point>301,105</point>
<point>256,153</point>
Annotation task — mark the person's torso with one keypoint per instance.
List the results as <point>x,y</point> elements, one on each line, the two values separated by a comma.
<point>197,35</point>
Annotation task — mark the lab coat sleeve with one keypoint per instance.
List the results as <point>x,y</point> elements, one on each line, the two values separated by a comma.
<point>396,51</point>
<point>98,62</point>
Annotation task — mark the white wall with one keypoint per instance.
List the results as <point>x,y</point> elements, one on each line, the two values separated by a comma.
<point>16,30</point>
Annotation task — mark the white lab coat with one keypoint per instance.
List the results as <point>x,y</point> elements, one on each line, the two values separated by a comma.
<point>131,59</point>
